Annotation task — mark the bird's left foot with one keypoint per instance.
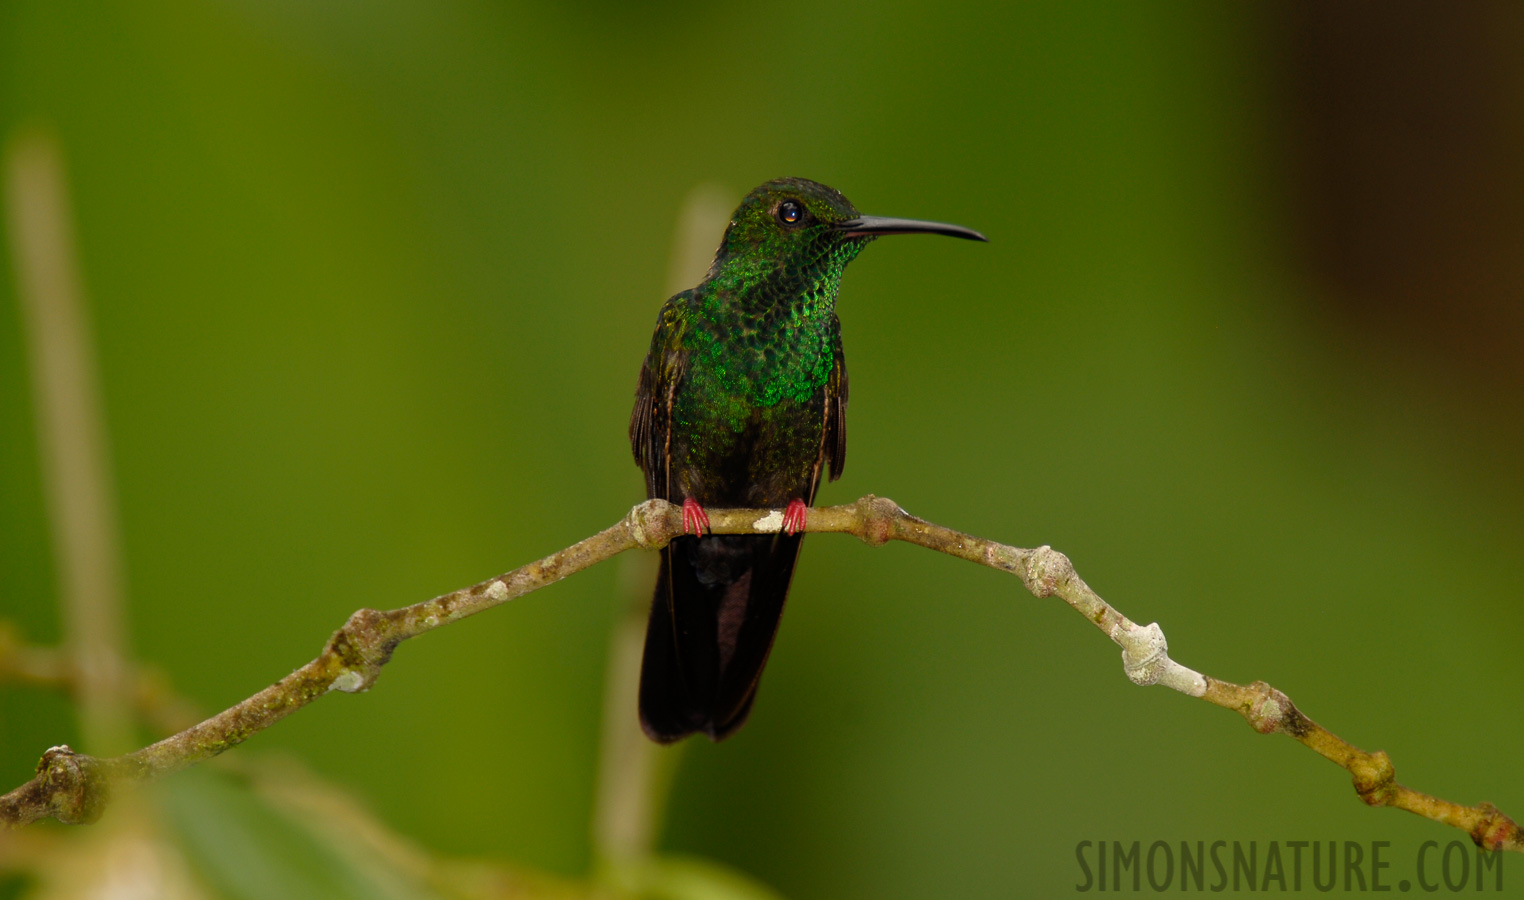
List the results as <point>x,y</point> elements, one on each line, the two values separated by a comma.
<point>793,517</point>
<point>695,520</point>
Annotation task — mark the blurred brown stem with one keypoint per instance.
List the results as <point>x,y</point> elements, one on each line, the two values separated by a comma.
<point>634,773</point>
<point>148,691</point>
<point>71,435</point>
<point>75,788</point>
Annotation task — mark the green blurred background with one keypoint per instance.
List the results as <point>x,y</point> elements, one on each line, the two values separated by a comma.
<point>370,284</point>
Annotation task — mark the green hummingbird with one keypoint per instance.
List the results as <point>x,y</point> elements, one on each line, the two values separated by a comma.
<point>742,402</point>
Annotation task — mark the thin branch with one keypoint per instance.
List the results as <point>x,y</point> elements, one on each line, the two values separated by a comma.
<point>75,788</point>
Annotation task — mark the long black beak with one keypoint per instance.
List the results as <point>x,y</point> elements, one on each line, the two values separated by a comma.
<point>876,225</point>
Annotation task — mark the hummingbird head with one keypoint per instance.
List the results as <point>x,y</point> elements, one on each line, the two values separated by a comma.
<point>790,223</point>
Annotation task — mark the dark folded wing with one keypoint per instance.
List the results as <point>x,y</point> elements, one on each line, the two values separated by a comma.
<point>651,420</point>
<point>835,445</point>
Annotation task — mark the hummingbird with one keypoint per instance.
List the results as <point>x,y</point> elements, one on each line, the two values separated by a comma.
<point>742,402</point>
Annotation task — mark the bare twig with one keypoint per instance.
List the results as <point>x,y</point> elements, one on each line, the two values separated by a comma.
<point>75,788</point>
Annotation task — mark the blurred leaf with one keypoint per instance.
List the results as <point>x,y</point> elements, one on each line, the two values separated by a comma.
<point>13,885</point>
<point>690,878</point>
<point>128,854</point>
<point>250,849</point>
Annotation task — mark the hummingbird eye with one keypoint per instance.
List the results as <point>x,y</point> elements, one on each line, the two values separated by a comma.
<point>790,212</point>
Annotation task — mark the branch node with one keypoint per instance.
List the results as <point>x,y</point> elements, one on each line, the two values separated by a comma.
<point>362,647</point>
<point>877,517</point>
<point>649,524</point>
<point>1046,571</point>
<point>1375,778</point>
<point>1270,711</point>
<point>73,784</point>
<point>1145,654</point>
<point>1495,831</point>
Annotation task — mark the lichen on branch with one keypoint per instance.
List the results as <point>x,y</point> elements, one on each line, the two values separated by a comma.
<point>75,788</point>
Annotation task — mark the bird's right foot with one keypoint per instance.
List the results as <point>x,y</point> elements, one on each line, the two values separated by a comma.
<point>794,516</point>
<point>695,520</point>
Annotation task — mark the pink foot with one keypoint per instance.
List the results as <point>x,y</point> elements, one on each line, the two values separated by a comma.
<point>793,517</point>
<point>695,520</point>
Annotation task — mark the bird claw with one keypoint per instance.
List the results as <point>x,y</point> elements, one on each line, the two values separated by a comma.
<point>695,520</point>
<point>794,516</point>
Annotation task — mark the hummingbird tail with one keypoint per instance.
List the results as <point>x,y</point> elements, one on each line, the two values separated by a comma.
<point>715,612</point>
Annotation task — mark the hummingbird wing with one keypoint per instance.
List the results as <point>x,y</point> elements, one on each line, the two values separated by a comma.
<point>651,420</point>
<point>834,447</point>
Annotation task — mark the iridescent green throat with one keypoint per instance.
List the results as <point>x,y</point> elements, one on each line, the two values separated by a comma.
<point>764,329</point>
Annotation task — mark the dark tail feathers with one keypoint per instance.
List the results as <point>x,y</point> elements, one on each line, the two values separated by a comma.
<point>717,605</point>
